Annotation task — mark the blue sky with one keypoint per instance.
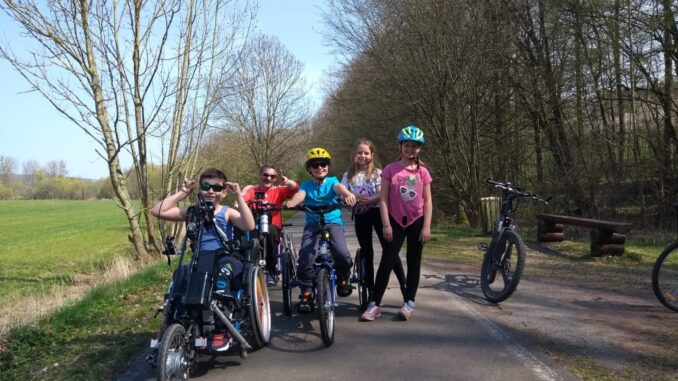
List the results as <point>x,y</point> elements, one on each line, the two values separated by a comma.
<point>32,130</point>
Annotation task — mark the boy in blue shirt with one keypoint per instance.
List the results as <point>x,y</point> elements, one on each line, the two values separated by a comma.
<point>322,191</point>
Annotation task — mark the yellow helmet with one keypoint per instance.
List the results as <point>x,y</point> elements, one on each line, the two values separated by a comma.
<point>317,154</point>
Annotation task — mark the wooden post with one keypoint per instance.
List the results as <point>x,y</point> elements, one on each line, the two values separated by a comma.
<point>490,211</point>
<point>604,242</point>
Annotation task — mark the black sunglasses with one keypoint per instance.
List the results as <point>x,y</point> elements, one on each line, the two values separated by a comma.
<point>319,164</point>
<point>215,187</point>
<point>269,175</point>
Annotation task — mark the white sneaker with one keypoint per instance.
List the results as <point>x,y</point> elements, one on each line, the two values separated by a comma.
<point>407,310</point>
<point>372,312</point>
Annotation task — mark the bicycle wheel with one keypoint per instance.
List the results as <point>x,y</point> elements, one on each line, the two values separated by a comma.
<point>289,245</point>
<point>325,297</point>
<point>287,274</point>
<point>360,275</point>
<point>174,354</point>
<point>505,256</point>
<point>259,307</point>
<point>665,277</point>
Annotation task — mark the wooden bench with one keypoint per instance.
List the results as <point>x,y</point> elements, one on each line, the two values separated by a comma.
<point>607,237</point>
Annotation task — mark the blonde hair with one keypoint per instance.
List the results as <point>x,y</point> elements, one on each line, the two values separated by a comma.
<point>371,167</point>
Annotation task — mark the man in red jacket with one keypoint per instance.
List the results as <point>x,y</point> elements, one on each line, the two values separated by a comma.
<point>275,195</point>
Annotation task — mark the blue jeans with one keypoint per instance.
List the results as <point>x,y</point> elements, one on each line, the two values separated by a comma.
<point>307,253</point>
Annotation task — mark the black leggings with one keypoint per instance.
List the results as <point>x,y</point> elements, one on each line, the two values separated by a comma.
<point>390,257</point>
<point>364,223</point>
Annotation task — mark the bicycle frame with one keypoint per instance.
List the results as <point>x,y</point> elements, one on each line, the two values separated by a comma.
<point>324,260</point>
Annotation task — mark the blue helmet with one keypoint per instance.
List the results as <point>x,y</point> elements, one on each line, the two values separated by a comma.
<point>411,133</point>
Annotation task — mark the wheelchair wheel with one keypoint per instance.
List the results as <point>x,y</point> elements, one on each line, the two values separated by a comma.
<point>259,307</point>
<point>325,301</point>
<point>174,354</point>
<point>360,278</point>
<point>287,274</point>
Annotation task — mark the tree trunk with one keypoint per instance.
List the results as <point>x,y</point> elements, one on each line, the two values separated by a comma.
<point>117,180</point>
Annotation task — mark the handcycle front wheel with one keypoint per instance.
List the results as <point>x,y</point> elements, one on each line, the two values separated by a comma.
<point>665,277</point>
<point>502,267</point>
<point>325,301</point>
<point>174,354</point>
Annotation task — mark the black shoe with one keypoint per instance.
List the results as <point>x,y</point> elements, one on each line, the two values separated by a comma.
<point>344,287</point>
<point>305,304</point>
<point>271,279</point>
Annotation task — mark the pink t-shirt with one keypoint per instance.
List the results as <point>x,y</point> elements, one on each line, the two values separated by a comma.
<point>406,192</point>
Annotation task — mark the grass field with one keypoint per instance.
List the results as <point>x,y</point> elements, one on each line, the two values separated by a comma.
<point>45,244</point>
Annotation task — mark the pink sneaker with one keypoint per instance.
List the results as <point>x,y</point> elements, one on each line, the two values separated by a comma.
<point>371,313</point>
<point>407,310</point>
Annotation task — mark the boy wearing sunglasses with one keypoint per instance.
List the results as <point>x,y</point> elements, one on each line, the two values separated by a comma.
<point>322,190</point>
<point>213,186</point>
<point>275,195</point>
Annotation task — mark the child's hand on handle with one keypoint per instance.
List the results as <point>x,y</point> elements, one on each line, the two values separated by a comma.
<point>425,235</point>
<point>349,199</point>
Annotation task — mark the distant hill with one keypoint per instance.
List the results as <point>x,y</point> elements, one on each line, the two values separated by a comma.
<point>21,178</point>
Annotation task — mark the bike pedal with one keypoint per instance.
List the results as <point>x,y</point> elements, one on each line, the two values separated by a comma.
<point>482,246</point>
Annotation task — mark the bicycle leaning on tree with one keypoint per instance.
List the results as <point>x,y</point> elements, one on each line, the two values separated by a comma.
<point>665,274</point>
<point>506,252</point>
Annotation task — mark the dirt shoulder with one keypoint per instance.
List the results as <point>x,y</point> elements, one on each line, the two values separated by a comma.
<point>602,322</point>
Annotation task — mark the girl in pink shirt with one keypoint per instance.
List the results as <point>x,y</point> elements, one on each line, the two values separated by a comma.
<point>406,209</point>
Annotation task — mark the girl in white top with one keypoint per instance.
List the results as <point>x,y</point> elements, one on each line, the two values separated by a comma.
<point>363,179</point>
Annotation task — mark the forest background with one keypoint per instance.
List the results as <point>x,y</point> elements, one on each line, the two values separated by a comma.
<point>572,99</point>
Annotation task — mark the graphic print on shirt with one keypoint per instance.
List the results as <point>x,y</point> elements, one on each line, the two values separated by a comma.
<point>362,190</point>
<point>407,184</point>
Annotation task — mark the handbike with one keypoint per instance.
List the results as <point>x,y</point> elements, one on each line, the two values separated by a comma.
<point>665,274</point>
<point>192,310</point>
<point>261,210</point>
<point>286,254</point>
<point>324,284</point>
<point>506,252</point>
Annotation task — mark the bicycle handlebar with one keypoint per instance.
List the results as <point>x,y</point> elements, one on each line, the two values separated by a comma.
<point>517,191</point>
<point>263,206</point>
<point>319,209</point>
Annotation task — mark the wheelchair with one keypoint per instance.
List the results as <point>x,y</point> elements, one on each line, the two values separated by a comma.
<point>193,309</point>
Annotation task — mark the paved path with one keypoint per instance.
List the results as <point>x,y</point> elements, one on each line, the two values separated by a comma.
<point>449,338</point>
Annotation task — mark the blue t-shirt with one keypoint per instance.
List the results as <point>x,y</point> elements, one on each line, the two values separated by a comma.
<point>321,194</point>
<point>209,240</point>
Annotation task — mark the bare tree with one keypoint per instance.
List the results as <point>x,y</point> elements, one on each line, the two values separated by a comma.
<point>117,70</point>
<point>30,170</point>
<point>57,168</point>
<point>7,168</point>
<point>265,101</point>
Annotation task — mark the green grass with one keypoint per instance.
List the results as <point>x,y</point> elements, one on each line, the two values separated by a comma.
<point>92,339</point>
<point>461,244</point>
<point>456,243</point>
<point>44,243</point>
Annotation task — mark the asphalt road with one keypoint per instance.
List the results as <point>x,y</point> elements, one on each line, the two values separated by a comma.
<point>448,338</point>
